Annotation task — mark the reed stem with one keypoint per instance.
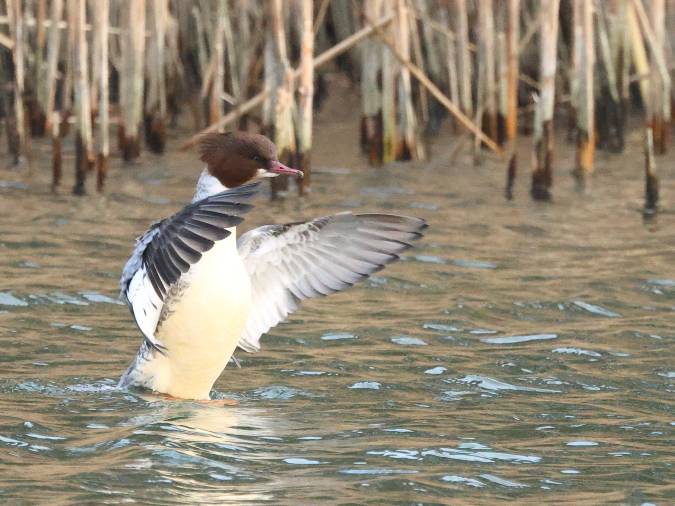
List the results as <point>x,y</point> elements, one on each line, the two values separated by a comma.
<point>83,131</point>
<point>102,29</point>
<point>371,99</point>
<point>542,175</point>
<point>131,92</point>
<point>306,92</point>
<point>487,57</point>
<point>280,109</point>
<point>584,59</point>
<point>18,38</point>
<point>156,94</point>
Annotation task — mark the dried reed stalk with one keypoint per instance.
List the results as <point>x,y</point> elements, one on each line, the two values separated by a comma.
<point>35,102</point>
<point>306,92</point>
<point>245,48</point>
<point>650,94</point>
<point>57,170</point>
<point>408,147</point>
<point>583,64</point>
<point>502,84</point>
<point>464,57</point>
<point>231,52</point>
<point>511,173</point>
<point>437,94</point>
<point>19,147</point>
<point>102,30</point>
<point>218,65</point>
<point>610,114</point>
<point>486,54</point>
<point>260,98</point>
<point>156,95</point>
<point>420,97</point>
<point>53,46</point>
<point>84,156</point>
<point>513,70</point>
<point>452,65</point>
<point>651,179</point>
<point>371,99</point>
<point>202,53</point>
<point>280,108</point>
<point>542,175</point>
<point>344,25</point>
<point>512,73</point>
<point>661,87</point>
<point>433,46</point>
<point>621,40</point>
<point>131,77</point>
<point>388,77</point>
<point>639,57</point>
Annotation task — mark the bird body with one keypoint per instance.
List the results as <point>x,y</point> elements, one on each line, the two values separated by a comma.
<point>197,292</point>
<point>205,318</point>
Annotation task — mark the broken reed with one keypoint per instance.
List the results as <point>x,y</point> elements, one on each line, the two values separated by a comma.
<point>490,65</point>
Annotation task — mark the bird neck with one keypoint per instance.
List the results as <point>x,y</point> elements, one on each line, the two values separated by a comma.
<point>207,185</point>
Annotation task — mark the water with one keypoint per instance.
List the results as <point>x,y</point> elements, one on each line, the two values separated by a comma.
<point>520,352</point>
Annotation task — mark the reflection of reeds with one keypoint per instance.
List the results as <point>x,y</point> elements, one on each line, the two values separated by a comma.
<point>87,64</point>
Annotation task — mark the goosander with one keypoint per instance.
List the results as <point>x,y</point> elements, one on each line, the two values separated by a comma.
<point>197,293</point>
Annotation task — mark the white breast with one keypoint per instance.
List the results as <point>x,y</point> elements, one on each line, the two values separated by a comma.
<point>204,324</point>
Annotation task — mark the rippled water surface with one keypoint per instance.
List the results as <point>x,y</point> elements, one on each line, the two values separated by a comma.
<point>521,352</point>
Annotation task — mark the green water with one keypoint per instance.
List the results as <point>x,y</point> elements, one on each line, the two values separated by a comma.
<point>521,352</point>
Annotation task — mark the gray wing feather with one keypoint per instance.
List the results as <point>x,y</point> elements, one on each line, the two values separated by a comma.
<point>293,262</point>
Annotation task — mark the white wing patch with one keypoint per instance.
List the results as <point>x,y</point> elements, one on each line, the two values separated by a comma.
<point>137,291</point>
<point>146,306</point>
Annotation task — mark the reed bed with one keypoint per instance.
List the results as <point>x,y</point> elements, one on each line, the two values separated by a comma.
<point>495,69</point>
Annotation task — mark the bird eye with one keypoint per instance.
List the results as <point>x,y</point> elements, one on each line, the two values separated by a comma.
<point>257,158</point>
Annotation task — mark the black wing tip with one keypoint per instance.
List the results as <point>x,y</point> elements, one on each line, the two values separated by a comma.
<point>418,235</point>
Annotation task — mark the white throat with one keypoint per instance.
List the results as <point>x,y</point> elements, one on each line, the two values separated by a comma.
<point>207,185</point>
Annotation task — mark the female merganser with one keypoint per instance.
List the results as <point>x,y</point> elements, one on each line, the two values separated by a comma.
<point>196,292</point>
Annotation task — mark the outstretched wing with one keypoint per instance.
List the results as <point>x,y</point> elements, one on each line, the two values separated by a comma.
<point>167,250</point>
<point>297,261</point>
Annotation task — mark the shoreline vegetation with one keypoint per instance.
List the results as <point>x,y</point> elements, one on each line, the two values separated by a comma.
<point>496,70</point>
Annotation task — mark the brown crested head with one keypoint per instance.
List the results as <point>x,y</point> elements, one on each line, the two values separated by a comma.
<point>238,157</point>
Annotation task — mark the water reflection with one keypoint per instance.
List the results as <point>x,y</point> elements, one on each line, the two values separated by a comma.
<point>200,448</point>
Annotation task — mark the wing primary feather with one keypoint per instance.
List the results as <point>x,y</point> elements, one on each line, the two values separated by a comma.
<point>155,281</point>
<point>198,242</point>
<point>176,259</point>
<point>206,230</point>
